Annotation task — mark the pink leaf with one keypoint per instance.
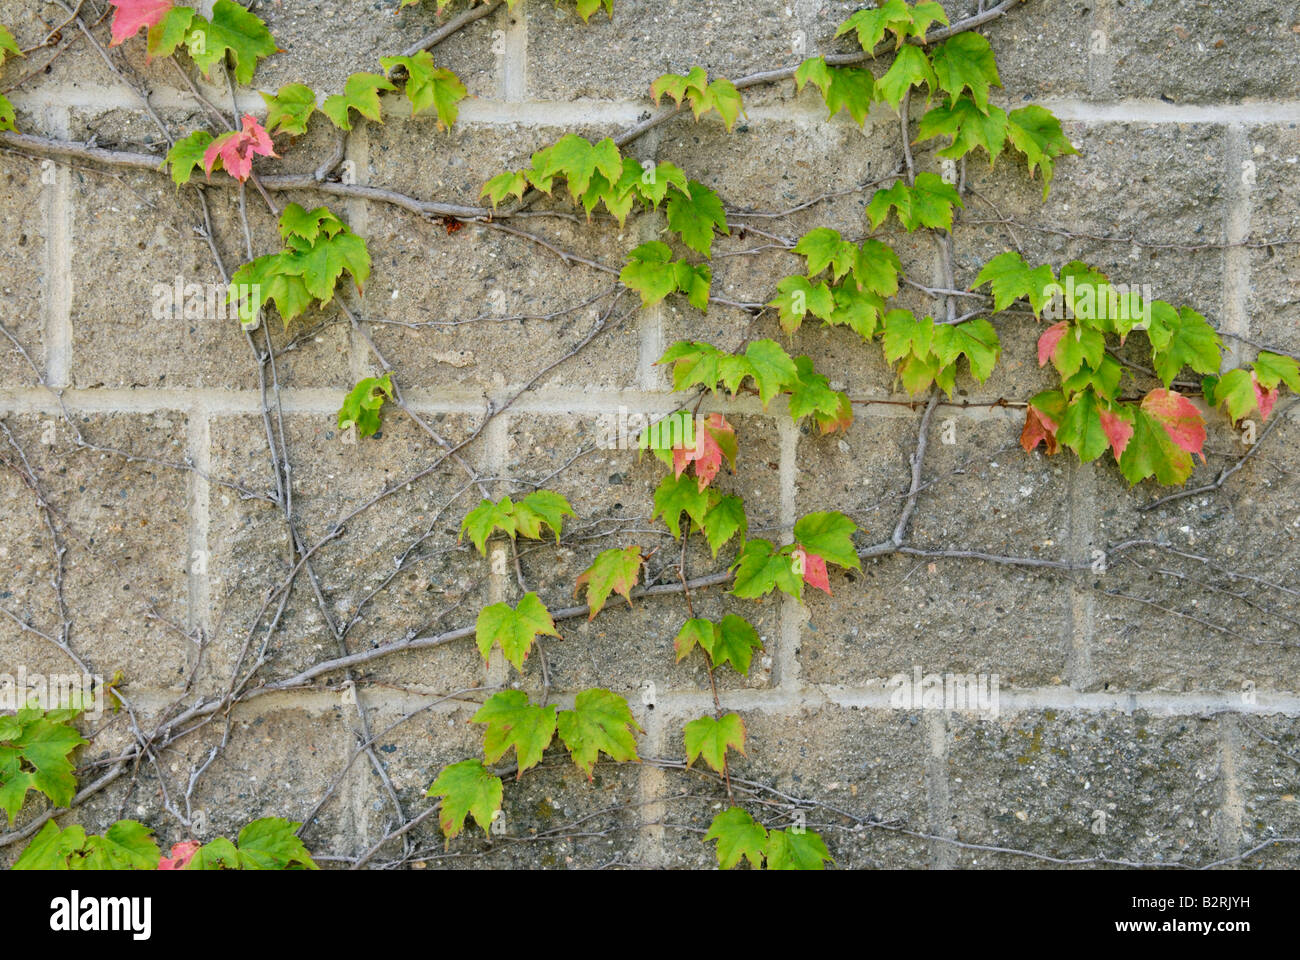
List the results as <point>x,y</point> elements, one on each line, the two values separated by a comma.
<point>182,854</point>
<point>1180,418</point>
<point>814,569</point>
<point>1048,341</point>
<point>1264,399</point>
<point>131,15</point>
<point>708,451</point>
<point>1118,431</point>
<point>236,149</point>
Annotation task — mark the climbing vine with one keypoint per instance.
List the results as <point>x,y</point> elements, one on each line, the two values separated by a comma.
<point>905,53</point>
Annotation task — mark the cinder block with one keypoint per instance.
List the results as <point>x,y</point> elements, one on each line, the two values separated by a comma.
<point>868,764</point>
<point>24,279</point>
<point>1136,787</point>
<point>125,529</point>
<point>1269,777</point>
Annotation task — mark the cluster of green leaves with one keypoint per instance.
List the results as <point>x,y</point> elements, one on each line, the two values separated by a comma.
<point>732,640</point>
<point>232,30</point>
<point>585,8</point>
<point>962,67</point>
<point>427,87</point>
<point>319,247</point>
<point>598,173</point>
<point>719,516</point>
<point>1153,437</point>
<point>652,272</point>
<point>362,404</point>
<point>35,754</point>
<point>694,88</point>
<point>267,844</point>
<point>739,837</point>
<point>819,538</point>
<point>773,372</point>
<point>525,518</point>
<point>600,722</point>
<point>8,48</point>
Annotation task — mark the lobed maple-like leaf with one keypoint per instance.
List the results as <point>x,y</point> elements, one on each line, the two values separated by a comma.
<point>232,30</point>
<point>1011,278</point>
<point>513,722</point>
<point>613,571</point>
<point>271,843</point>
<point>710,737</point>
<point>677,494</point>
<point>466,789</point>
<point>362,404</point>
<point>360,93</point>
<point>35,750</point>
<point>180,856</point>
<point>738,835</point>
<point>513,629</point>
<point>600,722</point>
<point>289,110</point>
<point>911,68</point>
<point>235,149</point>
<point>653,273</point>
<point>429,87</point>
<point>966,62</point>
<point>130,15</point>
<point>695,214</point>
<point>842,88</point>
<point>714,440</point>
<point>927,203</point>
<point>126,845</point>
<point>796,850</point>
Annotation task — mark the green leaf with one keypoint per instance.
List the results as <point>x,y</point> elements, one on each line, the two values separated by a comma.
<point>487,517</point>
<point>709,737</point>
<point>842,88</point>
<point>514,722</point>
<point>186,156</point>
<point>1081,430</point>
<point>1235,392</point>
<point>1191,342</point>
<point>734,640</point>
<point>904,335</point>
<point>788,850</point>
<point>1273,368</point>
<point>429,87</point>
<point>823,247</point>
<point>362,404</point>
<point>877,267</point>
<point>968,126</point>
<point>578,160</point>
<point>466,788</point>
<point>859,310</point>
<point>170,32</point>
<point>797,297</point>
<point>35,754</point>
<point>513,630</point>
<point>232,29</point>
<point>965,62</point>
<point>724,520</point>
<point>771,368</point>
<point>976,340</point>
<point>695,214</point>
<point>810,393</point>
<point>1035,132</point>
<point>7,115</point>
<point>693,631</point>
<point>308,225</point>
<point>504,185</point>
<point>360,93</point>
<point>541,508</point>
<point>1011,278</point>
<point>649,272</point>
<point>272,843</point>
<point>613,571</point>
<point>126,845</point>
<point>927,203</point>
<point>8,45</point>
<point>830,536</point>
<point>600,722</point>
<point>911,68</point>
<point>738,836</point>
<point>289,110</point>
<point>678,494</point>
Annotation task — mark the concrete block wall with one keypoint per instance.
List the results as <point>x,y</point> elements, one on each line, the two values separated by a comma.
<point>1148,713</point>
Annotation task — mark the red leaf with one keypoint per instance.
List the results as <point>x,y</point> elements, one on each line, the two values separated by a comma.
<point>182,854</point>
<point>1048,341</point>
<point>131,15</point>
<point>1180,418</point>
<point>1039,428</point>
<point>236,149</point>
<point>813,568</point>
<point>1118,431</point>
<point>1263,398</point>
<point>708,451</point>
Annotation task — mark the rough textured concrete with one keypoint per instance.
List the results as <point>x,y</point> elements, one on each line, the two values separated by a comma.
<point>1149,698</point>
